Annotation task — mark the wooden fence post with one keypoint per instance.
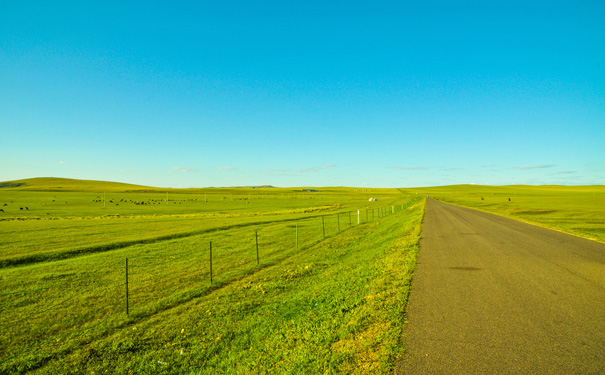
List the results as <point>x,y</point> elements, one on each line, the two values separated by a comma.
<point>323,226</point>
<point>127,309</point>
<point>256,238</point>
<point>210,262</point>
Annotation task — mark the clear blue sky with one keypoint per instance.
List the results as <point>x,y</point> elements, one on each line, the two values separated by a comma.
<point>304,93</point>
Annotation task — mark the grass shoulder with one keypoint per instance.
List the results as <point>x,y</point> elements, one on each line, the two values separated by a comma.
<point>334,306</point>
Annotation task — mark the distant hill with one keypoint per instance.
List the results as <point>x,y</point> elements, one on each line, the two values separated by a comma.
<point>68,184</point>
<point>253,187</point>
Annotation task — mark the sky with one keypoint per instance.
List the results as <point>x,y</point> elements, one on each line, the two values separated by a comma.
<point>303,93</point>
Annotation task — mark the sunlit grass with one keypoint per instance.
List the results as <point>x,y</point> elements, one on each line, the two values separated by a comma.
<point>578,210</point>
<point>335,307</point>
<point>322,305</point>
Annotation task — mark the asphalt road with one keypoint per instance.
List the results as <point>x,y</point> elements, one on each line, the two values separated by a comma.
<point>492,295</point>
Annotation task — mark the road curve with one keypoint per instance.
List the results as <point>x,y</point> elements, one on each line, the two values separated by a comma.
<point>491,295</point>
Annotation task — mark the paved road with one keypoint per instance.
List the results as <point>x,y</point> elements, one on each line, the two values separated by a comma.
<point>492,295</point>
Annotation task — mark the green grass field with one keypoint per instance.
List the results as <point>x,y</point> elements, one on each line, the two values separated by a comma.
<point>326,294</point>
<point>579,210</point>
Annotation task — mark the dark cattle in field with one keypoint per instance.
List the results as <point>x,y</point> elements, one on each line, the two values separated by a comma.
<point>1,210</point>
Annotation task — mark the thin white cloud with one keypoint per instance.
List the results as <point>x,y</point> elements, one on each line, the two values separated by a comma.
<point>183,169</point>
<point>409,168</point>
<point>61,162</point>
<point>564,173</point>
<point>226,168</point>
<point>535,166</point>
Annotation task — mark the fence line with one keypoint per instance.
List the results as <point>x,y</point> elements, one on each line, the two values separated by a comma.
<point>132,283</point>
<point>380,212</point>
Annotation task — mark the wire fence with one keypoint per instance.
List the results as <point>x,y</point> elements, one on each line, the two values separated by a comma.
<point>72,302</point>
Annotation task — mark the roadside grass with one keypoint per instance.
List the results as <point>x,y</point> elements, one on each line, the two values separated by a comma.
<point>335,307</point>
<point>578,210</point>
<point>25,243</point>
<point>58,222</point>
<point>332,305</point>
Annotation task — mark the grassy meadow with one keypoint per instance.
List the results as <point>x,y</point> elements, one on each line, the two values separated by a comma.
<point>323,294</point>
<point>578,210</point>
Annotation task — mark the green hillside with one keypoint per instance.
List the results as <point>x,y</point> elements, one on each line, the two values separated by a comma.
<point>68,184</point>
<point>298,282</point>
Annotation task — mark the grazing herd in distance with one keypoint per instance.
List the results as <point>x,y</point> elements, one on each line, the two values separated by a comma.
<point>20,208</point>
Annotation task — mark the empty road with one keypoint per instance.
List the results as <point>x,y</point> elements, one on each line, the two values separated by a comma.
<point>492,295</point>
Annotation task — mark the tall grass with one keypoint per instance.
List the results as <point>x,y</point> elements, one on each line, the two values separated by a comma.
<point>331,304</point>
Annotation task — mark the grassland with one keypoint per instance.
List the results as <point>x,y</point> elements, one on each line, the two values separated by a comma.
<point>579,210</point>
<point>325,295</point>
<point>331,302</point>
<point>36,222</point>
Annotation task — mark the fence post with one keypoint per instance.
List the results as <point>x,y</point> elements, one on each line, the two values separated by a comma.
<point>256,239</point>
<point>323,226</point>
<point>357,217</point>
<point>210,262</point>
<point>127,310</point>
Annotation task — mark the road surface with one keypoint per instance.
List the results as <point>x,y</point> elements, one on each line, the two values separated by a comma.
<point>491,295</point>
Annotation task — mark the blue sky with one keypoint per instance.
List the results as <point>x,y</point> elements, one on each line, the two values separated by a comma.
<point>304,93</point>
